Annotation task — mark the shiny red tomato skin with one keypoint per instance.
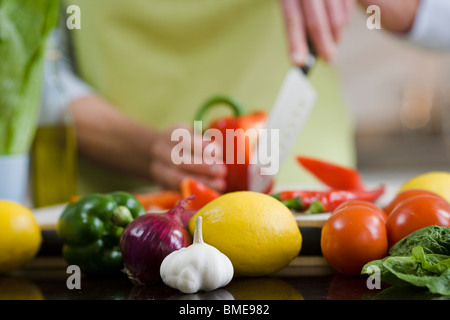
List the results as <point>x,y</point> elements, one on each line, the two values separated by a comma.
<point>363,203</point>
<point>416,213</point>
<point>352,237</point>
<point>402,196</point>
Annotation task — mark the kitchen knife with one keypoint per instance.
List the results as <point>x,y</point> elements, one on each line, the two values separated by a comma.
<point>286,120</point>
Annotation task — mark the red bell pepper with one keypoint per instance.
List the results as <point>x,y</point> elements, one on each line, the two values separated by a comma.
<point>203,194</point>
<point>237,167</point>
<point>333,175</point>
<point>330,199</point>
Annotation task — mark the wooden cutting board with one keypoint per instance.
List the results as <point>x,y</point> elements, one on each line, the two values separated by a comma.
<point>47,217</point>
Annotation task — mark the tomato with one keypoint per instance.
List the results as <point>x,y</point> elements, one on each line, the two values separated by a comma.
<point>353,236</point>
<point>402,196</point>
<point>363,203</point>
<point>416,213</point>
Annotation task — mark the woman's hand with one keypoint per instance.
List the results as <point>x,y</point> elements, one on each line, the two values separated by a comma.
<point>319,21</point>
<point>108,137</point>
<point>169,175</point>
<point>397,16</point>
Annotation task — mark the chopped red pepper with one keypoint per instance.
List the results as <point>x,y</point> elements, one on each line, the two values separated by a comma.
<point>161,199</point>
<point>330,199</point>
<point>332,175</point>
<point>203,194</point>
<point>237,167</point>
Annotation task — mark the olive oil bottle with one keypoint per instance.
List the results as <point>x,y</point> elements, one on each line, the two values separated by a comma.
<point>53,153</point>
<point>54,165</point>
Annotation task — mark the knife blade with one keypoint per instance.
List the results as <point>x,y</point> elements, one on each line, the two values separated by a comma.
<point>286,120</point>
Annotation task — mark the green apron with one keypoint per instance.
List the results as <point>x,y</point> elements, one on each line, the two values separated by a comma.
<point>159,60</point>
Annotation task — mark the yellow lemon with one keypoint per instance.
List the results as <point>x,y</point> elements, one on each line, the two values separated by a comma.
<point>435,181</point>
<point>15,288</point>
<point>255,231</point>
<point>20,236</point>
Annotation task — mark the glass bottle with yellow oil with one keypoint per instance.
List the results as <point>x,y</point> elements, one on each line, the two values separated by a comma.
<point>54,150</point>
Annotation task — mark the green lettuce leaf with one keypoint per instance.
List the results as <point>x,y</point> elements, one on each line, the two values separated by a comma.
<point>426,270</point>
<point>421,259</point>
<point>24,27</point>
<point>433,239</point>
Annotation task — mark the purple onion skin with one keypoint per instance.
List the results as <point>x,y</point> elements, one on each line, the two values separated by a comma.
<point>148,239</point>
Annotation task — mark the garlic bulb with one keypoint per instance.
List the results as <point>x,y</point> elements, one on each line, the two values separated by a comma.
<point>199,267</point>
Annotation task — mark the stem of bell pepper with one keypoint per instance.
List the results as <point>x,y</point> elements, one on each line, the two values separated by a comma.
<point>238,109</point>
<point>121,216</point>
<point>315,207</point>
<point>294,203</point>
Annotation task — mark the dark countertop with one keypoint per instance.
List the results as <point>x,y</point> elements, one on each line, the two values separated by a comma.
<point>46,278</point>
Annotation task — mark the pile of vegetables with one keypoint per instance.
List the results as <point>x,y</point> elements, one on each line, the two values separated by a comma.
<point>146,235</point>
<point>107,233</point>
<point>408,241</point>
<point>24,26</point>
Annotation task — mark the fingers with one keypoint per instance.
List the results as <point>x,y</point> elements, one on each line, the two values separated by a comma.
<point>348,9</point>
<point>318,28</point>
<point>295,29</point>
<point>336,17</point>
<point>199,162</point>
<point>320,21</point>
<point>170,177</point>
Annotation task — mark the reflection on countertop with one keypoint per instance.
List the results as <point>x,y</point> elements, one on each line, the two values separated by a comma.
<point>45,278</point>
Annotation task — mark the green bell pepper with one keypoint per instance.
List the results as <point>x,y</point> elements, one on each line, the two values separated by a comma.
<point>90,237</point>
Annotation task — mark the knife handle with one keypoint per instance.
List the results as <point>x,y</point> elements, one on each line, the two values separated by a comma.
<point>311,60</point>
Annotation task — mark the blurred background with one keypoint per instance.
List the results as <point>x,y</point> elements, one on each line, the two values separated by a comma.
<point>399,96</point>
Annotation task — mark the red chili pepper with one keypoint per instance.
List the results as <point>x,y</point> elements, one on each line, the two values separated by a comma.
<point>203,194</point>
<point>329,199</point>
<point>243,145</point>
<point>333,175</point>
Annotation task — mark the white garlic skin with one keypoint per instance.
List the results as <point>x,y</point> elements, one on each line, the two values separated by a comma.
<point>199,267</point>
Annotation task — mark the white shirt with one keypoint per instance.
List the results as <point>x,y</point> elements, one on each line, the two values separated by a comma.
<point>431,26</point>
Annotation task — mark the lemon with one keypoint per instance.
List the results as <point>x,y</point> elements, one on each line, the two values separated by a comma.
<point>18,288</point>
<point>435,181</point>
<point>20,236</point>
<point>255,231</point>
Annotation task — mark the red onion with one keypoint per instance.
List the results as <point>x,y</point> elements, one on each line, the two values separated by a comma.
<point>148,239</point>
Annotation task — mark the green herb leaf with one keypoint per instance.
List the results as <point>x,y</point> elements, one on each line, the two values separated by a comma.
<point>421,259</point>
<point>433,239</point>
